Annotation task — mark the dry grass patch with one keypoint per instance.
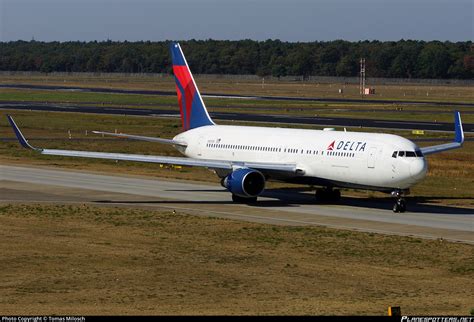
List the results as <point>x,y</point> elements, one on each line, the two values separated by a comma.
<point>271,87</point>
<point>61,259</point>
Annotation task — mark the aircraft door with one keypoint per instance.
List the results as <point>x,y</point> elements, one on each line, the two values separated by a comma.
<point>201,145</point>
<point>371,157</point>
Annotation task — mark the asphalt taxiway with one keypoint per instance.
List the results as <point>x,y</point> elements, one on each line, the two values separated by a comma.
<point>222,95</point>
<point>245,117</point>
<point>281,207</point>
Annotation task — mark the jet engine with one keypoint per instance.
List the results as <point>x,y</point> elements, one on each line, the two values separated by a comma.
<point>245,182</point>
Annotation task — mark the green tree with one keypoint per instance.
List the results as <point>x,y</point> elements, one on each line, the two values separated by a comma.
<point>347,66</point>
<point>434,61</point>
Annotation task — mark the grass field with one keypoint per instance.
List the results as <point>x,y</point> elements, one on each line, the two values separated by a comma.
<point>206,84</point>
<point>450,180</point>
<point>434,113</point>
<point>80,260</point>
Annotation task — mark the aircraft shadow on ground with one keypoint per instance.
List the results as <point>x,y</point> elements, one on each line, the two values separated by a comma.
<point>414,204</point>
<point>294,197</point>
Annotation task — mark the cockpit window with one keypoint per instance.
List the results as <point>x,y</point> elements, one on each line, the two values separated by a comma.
<point>408,154</point>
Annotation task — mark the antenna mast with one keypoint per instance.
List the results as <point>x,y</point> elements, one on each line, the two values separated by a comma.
<point>362,76</point>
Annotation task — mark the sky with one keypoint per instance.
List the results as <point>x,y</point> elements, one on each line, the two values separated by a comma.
<point>289,20</point>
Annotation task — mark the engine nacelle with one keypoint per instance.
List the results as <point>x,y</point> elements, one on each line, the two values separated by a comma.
<point>245,182</point>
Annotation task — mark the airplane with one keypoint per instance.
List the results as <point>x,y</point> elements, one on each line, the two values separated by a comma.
<point>246,157</point>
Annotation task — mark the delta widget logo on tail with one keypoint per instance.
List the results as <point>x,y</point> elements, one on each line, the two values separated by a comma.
<point>347,146</point>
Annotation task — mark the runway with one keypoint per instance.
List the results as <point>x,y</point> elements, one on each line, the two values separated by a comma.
<point>247,117</point>
<point>280,207</point>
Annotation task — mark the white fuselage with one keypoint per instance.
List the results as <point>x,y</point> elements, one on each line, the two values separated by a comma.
<point>346,159</point>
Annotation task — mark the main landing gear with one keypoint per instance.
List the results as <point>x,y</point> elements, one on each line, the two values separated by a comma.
<point>400,203</point>
<point>328,195</point>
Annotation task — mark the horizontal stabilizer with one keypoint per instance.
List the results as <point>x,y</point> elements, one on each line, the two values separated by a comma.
<point>142,138</point>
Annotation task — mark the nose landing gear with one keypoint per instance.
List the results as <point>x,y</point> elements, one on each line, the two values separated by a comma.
<point>400,203</point>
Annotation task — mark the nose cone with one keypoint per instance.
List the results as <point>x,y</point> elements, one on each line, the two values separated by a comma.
<point>418,169</point>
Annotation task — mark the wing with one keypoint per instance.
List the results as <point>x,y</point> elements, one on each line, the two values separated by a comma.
<point>213,164</point>
<point>142,138</point>
<point>458,139</point>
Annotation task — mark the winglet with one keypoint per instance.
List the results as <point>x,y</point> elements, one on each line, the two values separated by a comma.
<point>459,137</point>
<point>24,143</point>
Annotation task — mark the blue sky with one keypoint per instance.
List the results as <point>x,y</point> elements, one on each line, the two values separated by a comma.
<point>292,20</point>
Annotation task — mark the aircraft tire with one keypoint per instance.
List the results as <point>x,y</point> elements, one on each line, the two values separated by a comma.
<point>396,207</point>
<point>402,205</point>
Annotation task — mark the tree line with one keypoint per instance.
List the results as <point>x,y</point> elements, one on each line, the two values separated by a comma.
<point>392,59</point>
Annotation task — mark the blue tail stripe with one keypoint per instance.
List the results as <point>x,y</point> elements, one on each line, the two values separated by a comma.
<point>176,56</point>
<point>198,115</point>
